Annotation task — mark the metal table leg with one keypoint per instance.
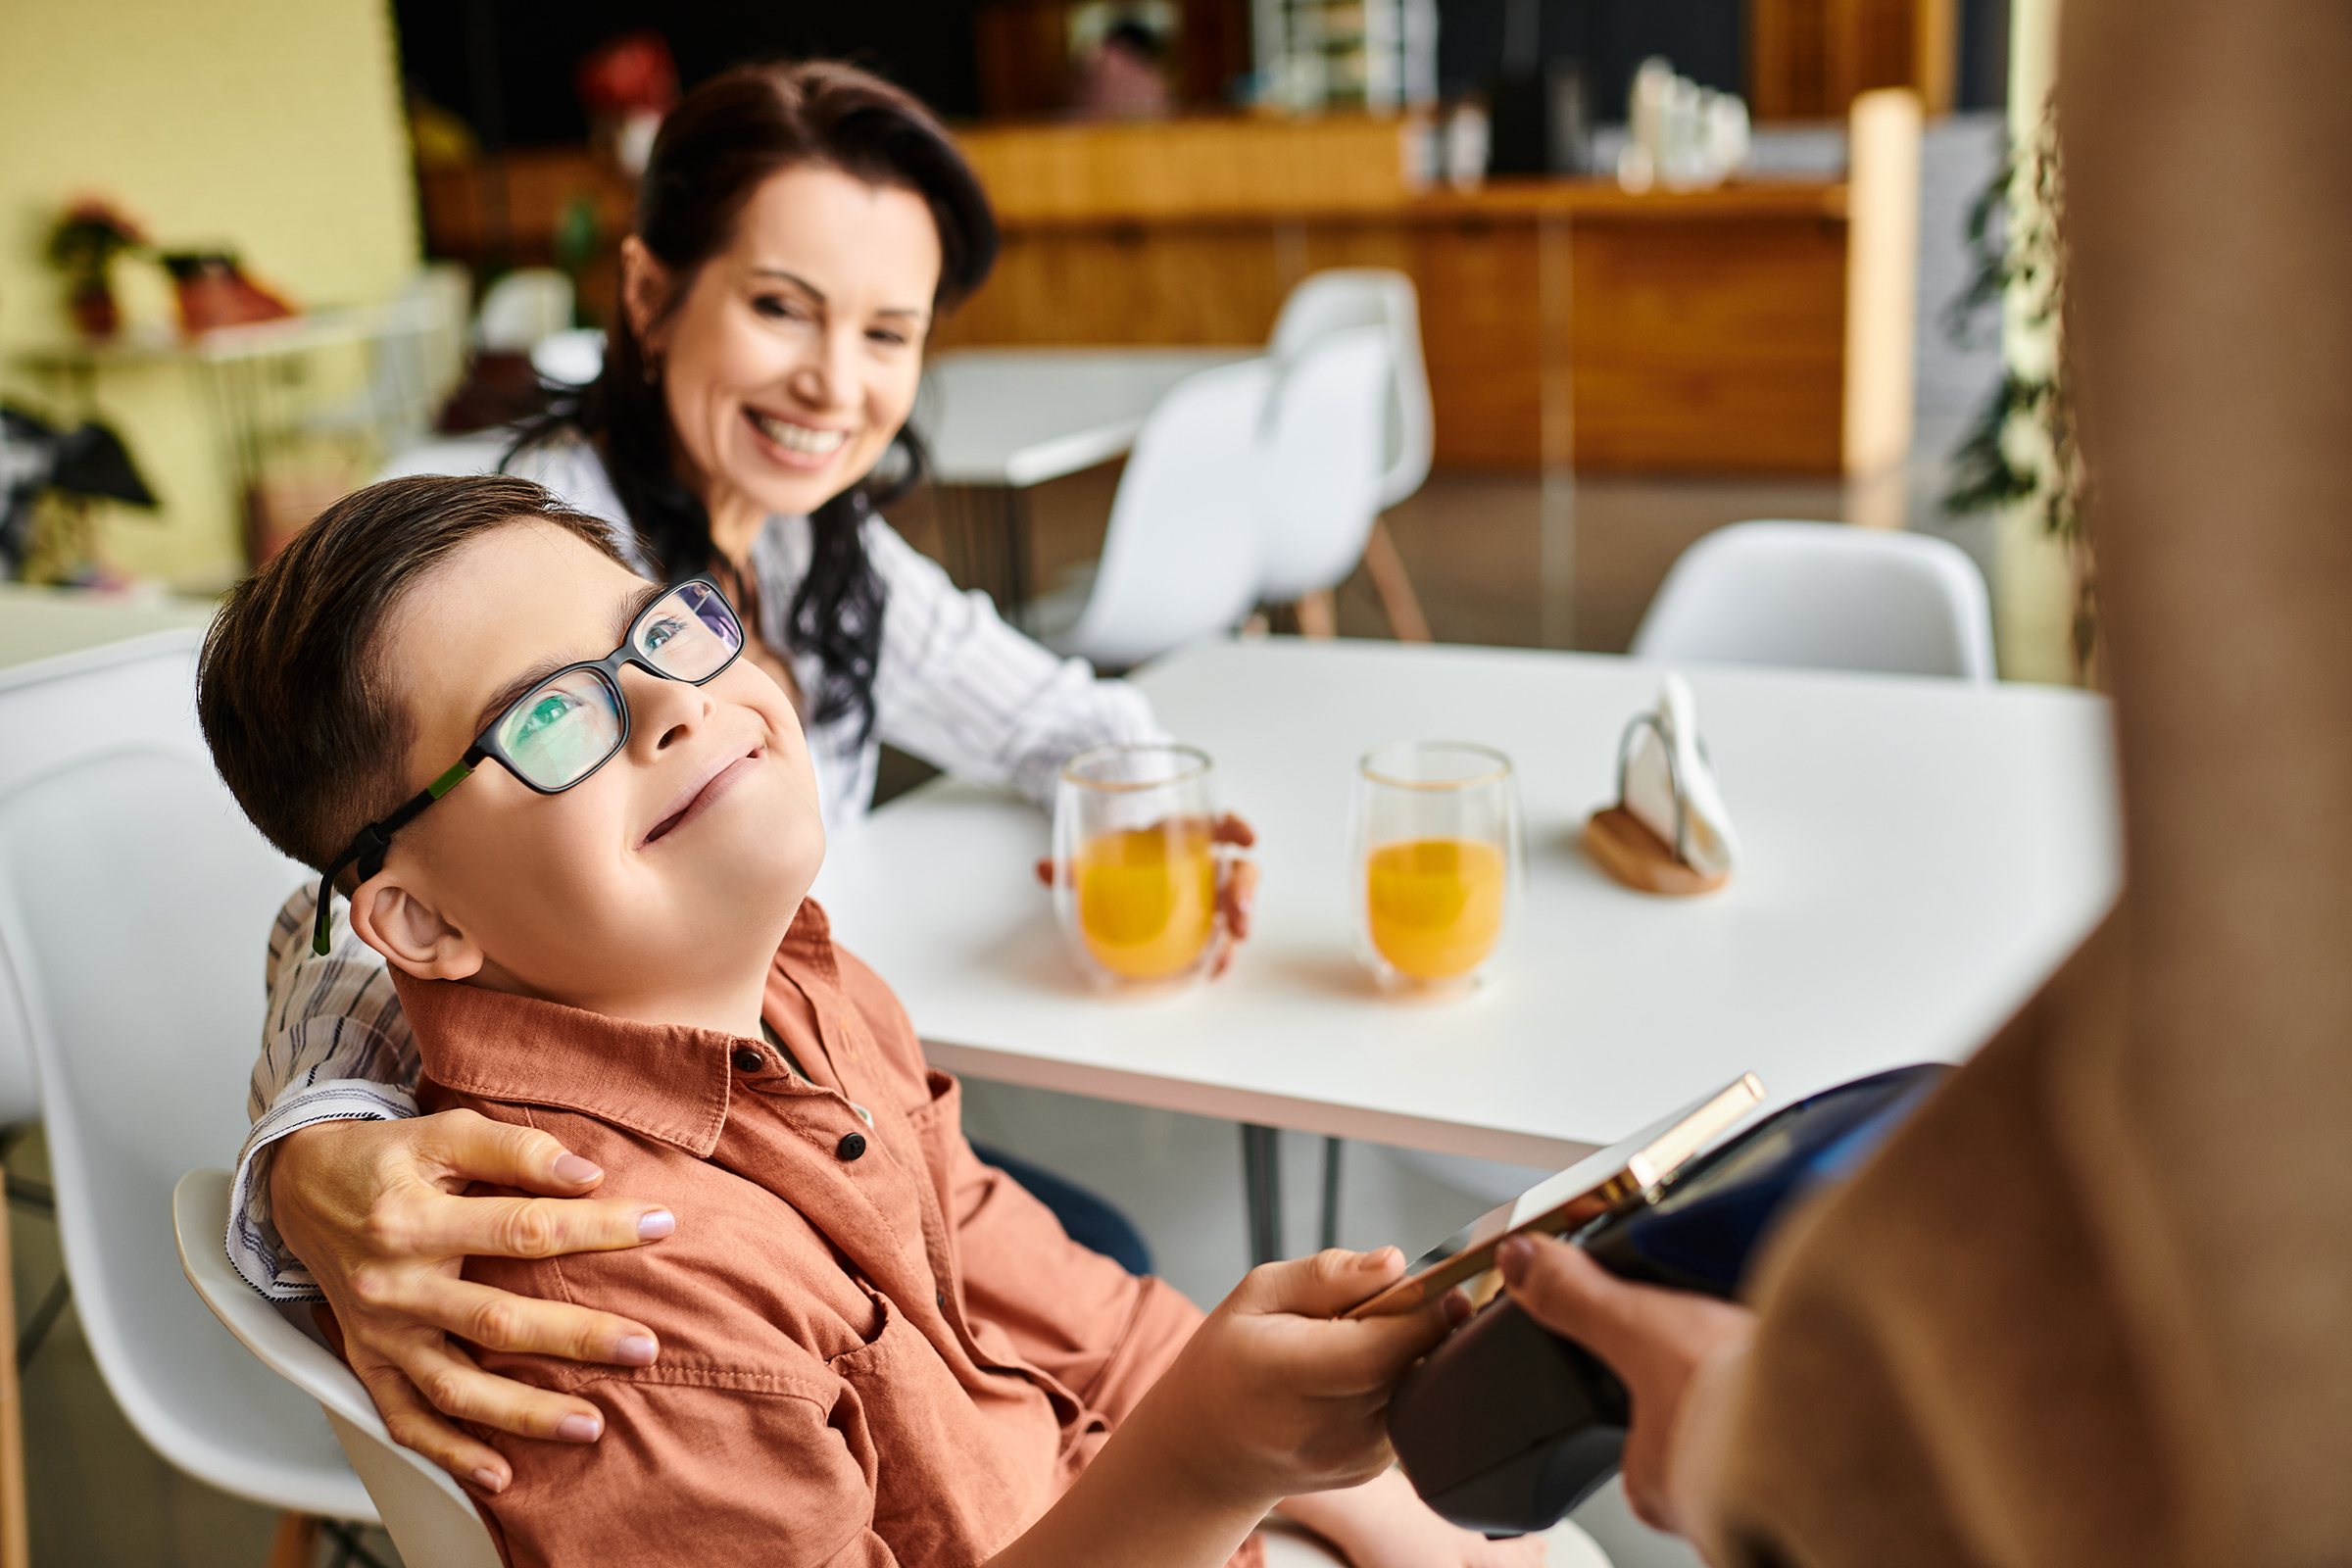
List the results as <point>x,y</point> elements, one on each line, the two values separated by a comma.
<point>1330,1193</point>
<point>1261,1180</point>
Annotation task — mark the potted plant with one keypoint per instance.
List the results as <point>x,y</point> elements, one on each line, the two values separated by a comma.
<point>83,246</point>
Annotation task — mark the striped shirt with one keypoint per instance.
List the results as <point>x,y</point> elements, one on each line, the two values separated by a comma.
<point>952,685</point>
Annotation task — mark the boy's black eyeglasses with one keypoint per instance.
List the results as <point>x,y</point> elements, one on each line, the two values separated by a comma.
<point>574,721</point>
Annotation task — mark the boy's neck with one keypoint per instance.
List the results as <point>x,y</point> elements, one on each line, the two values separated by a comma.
<point>731,1006</point>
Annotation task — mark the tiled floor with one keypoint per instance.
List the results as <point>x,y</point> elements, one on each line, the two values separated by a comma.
<point>1475,547</point>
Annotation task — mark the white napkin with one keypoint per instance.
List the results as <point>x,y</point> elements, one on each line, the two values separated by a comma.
<point>1709,844</point>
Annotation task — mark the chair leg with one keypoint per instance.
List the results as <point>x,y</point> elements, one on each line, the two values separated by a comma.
<point>297,1541</point>
<point>16,1544</point>
<point>1318,615</point>
<point>1397,596</point>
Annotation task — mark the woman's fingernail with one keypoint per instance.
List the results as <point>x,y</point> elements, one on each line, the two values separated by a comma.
<point>636,1349</point>
<point>572,1168</point>
<point>489,1480</point>
<point>579,1429</point>
<point>1512,1257</point>
<point>654,1224</point>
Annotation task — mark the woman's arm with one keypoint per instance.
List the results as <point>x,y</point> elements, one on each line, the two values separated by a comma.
<point>334,1047</point>
<point>959,688</point>
<point>345,1194</point>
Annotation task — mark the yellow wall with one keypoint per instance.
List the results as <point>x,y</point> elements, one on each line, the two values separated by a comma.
<point>273,126</point>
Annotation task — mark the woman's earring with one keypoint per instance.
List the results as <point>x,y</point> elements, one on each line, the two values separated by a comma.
<point>653,369</point>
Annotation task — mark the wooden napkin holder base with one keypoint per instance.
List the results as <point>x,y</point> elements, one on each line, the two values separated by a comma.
<point>1623,845</point>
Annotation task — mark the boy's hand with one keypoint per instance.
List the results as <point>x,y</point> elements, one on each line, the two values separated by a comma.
<point>1273,1394</point>
<point>1654,1339</point>
<point>370,1208</point>
<point>1276,1394</point>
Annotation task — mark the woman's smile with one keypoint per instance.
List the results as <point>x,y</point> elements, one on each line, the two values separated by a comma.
<point>804,447</point>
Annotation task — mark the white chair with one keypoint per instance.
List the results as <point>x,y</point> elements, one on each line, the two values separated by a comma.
<point>1342,300</point>
<point>1823,596</point>
<point>570,359</point>
<point>1181,557</point>
<point>1370,296</point>
<point>134,900</point>
<point>527,304</point>
<point>1319,492</point>
<point>465,455</point>
<point>429,1519</point>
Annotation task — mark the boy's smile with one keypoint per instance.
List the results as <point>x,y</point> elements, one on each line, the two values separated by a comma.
<point>658,887</point>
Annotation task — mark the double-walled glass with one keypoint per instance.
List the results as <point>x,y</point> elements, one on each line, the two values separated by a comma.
<point>1135,869</point>
<point>1435,859</point>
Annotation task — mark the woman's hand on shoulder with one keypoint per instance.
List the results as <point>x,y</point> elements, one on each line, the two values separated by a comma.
<point>372,1209</point>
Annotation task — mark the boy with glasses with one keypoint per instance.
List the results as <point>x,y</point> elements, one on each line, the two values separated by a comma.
<point>580,829</point>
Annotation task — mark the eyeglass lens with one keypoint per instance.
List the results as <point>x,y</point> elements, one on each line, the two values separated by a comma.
<point>558,734</point>
<point>689,634</point>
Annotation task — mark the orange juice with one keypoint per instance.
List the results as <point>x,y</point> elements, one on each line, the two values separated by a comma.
<point>1147,899</point>
<point>1434,906</point>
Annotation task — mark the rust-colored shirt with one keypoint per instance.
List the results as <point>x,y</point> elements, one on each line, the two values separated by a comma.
<point>874,1348</point>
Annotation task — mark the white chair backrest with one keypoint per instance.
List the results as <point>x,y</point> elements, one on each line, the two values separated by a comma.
<point>574,357</point>
<point>55,712</point>
<point>134,905</point>
<point>526,305</point>
<point>1823,596</point>
<point>431,1520</point>
<point>1181,557</point>
<point>464,454</point>
<point>1371,296</point>
<point>1319,492</point>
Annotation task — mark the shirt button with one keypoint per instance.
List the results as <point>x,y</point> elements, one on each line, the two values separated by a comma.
<point>748,1061</point>
<point>851,1146</point>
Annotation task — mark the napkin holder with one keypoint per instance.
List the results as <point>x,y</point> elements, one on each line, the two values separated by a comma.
<point>1628,848</point>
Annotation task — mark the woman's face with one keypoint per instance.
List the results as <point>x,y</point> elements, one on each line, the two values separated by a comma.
<point>792,359</point>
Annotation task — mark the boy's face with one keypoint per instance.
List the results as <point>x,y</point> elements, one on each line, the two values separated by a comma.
<point>663,880</point>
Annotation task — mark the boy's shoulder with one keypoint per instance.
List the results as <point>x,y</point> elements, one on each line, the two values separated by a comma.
<point>743,1287</point>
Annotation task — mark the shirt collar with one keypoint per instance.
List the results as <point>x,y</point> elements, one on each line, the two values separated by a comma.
<point>665,1081</point>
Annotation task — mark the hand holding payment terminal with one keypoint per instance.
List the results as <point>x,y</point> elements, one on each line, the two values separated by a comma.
<point>1505,1425</point>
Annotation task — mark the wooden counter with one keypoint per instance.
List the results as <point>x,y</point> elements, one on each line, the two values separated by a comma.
<point>1696,331</point>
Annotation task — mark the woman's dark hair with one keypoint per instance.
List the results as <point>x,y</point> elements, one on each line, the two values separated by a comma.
<point>721,142</point>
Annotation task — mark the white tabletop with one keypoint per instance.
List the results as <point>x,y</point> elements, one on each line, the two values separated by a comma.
<point>1918,854</point>
<point>1021,417</point>
<point>37,624</point>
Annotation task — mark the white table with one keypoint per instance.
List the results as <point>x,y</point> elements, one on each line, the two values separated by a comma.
<point>1919,855</point>
<point>999,420</point>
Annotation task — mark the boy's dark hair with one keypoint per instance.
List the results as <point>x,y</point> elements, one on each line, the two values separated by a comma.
<point>306,729</point>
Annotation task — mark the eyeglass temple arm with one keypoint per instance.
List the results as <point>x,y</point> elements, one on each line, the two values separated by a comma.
<point>370,844</point>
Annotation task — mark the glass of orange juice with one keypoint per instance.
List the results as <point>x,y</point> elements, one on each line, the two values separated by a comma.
<point>1135,870</point>
<point>1435,861</point>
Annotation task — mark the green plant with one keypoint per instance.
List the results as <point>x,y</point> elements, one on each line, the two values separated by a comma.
<point>2021,450</point>
<point>86,240</point>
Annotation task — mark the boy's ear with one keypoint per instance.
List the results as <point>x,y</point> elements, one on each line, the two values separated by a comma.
<point>396,921</point>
